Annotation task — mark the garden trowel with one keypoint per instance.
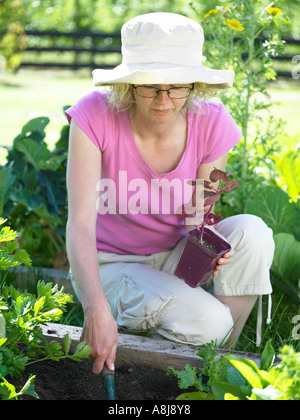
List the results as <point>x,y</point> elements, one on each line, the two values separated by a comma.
<point>109,382</point>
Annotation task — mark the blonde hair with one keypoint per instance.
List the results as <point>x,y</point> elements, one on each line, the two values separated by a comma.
<point>120,96</point>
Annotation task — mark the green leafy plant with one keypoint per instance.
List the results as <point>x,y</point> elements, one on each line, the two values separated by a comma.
<point>246,36</point>
<point>33,191</point>
<point>21,316</point>
<point>288,168</point>
<point>231,377</point>
<point>279,206</point>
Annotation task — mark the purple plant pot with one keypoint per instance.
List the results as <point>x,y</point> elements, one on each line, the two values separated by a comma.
<point>197,263</point>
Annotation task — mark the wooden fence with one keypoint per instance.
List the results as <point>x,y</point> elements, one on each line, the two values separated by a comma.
<point>88,49</point>
<point>85,49</point>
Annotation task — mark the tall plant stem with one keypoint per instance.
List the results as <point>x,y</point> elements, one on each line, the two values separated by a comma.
<point>248,91</point>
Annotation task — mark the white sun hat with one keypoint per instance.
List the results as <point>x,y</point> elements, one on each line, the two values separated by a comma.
<point>162,48</point>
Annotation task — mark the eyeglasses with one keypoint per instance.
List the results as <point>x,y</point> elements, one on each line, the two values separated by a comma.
<point>173,93</point>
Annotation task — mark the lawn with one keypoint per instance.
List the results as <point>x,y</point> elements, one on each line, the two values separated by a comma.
<point>29,94</point>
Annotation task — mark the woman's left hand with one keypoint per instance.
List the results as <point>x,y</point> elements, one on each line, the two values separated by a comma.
<point>224,260</point>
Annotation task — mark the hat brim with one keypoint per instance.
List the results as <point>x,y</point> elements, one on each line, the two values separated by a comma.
<point>158,73</point>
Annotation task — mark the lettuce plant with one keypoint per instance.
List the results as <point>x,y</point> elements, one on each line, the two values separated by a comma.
<point>234,378</point>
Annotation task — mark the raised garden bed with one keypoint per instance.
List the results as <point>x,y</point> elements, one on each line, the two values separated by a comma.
<point>68,380</point>
<point>141,366</point>
<point>141,362</point>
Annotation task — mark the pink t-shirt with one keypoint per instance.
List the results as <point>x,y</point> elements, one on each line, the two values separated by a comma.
<point>138,208</point>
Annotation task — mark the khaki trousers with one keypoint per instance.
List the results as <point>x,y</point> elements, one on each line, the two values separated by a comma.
<point>145,295</point>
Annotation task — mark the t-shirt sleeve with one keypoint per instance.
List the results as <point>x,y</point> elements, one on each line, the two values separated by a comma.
<point>222,135</point>
<point>90,114</point>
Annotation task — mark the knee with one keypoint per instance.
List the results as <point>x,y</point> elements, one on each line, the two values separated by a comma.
<point>218,326</point>
<point>252,232</point>
<point>210,321</point>
<point>255,227</point>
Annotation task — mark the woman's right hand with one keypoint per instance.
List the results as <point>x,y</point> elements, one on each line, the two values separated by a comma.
<point>100,332</point>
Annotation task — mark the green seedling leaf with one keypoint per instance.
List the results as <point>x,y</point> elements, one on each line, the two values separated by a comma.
<point>207,353</point>
<point>7,261</point>
<point>267,357</point>
<point>38,305</point>
<point>67,343</point>
<point>7,234</point>
<point>22,257</point>
<point>28,388</point>
<point>10,247</point>
<point>53,348</point>
<point>187,377</point>
<point>19,363</point>
<point>82,351</point>
<point>22,305</point>
<point>7,391</point>
<point>50,316</point>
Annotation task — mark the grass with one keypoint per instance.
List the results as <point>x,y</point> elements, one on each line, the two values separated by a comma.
<point>29,94</point>
<point>288,93</point>
<point>280,330</point>
<point>32,93</point>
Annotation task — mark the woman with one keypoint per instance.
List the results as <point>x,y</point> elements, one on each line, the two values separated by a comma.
<point>131,150</point>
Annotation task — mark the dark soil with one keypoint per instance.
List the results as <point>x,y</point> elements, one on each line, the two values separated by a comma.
<point>69,380</point>
<point>206,244</point>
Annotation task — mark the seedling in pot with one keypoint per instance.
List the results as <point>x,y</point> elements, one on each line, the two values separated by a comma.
<point>204,247</point>
<point>212,195</point>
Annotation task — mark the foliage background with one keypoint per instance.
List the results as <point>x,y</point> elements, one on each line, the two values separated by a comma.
<point>109,15</point>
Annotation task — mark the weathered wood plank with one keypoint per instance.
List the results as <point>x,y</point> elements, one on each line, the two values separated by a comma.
<point>134,349</point>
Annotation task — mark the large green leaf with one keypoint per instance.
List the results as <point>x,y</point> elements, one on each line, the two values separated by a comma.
<point>289,172</point>
<point>274,206</point>
<point>28,199</point>
<point>34,129</point>
<point>286,263</point>
<point>249,370</point>
<point>6,180</point>
<point>267,357</point>
<point>222,388</point>
<point>35,153</point>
